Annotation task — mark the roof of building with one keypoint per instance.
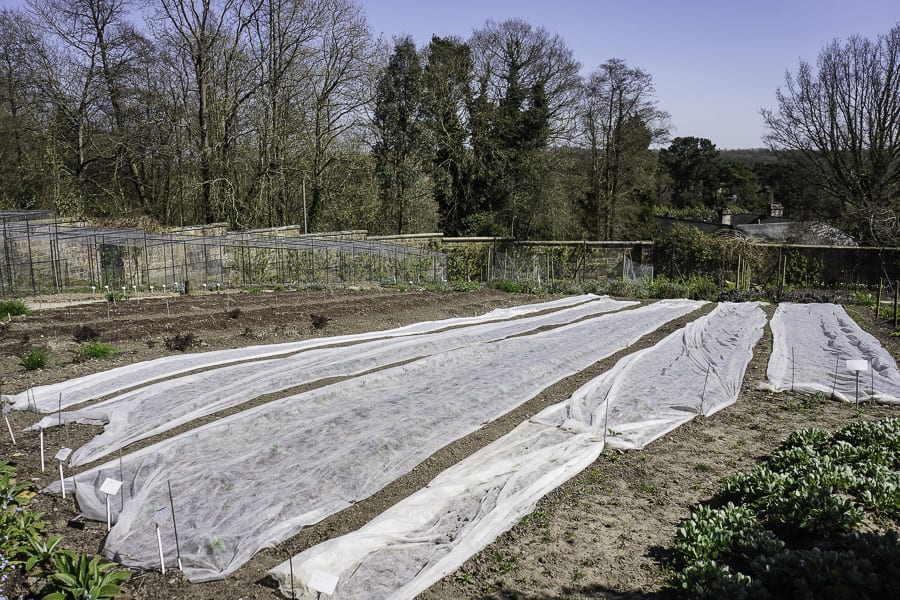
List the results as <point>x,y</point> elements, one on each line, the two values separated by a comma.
<point>769,229</point>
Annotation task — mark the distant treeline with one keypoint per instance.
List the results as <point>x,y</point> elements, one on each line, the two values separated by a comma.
<point>269,112</point>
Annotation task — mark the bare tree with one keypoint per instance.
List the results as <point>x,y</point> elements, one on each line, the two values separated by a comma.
<point>209,37</point>
<point>102,46</point>
<point>340,72</point>
<point>620,119</point>
<point>281,39</point>
<point>843,119</point>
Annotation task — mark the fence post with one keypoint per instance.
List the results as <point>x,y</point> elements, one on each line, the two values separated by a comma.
<point>896,297</point>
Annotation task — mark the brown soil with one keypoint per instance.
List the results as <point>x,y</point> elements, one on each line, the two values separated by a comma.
<point>603,534</point>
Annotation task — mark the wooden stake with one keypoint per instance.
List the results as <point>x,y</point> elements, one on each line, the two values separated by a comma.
<point>834,381</point>
<point>793,368</point>
<point>174,526</point>
<point>121,477</point>
<point>291,567</point>
<point>872,371</point>
<point>878,300</point>
<point>703,393</point>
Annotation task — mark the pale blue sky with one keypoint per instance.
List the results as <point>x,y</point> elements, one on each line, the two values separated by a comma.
<point>715,63</point>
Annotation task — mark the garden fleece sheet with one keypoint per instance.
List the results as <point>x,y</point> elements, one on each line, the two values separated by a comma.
<point>811,344</point>
<point>165,405</point>
<point>255,478</point>
<point>50,398</point>
<point>646,394</point>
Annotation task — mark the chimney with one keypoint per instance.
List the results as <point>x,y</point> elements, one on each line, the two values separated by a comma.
<point>726,216</point>
<point>776,210</point>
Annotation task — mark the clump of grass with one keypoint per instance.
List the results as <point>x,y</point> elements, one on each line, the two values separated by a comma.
<point>319,322</point>
<point>97,350</point>
<point>13,308</point>
<point>181,342</point>
<point>85,333</point>
<point>37,358</point>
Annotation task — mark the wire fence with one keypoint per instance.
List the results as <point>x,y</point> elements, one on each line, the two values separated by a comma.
<point>44,254</point>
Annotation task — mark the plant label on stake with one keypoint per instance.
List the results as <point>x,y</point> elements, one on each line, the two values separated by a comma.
<point>110,487</point>
<point>6,409</point>
<point>62,456</point>
<point>43,465</point>
<point>857,366</point>
<point>323,583</point>
<point>159,517</point>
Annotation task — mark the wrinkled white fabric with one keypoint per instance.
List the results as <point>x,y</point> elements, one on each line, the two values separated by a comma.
<point>429,534</point>
<point>811,344</point>
<point>49,398</point>
<point>162,406</point>
<point>257,477</point>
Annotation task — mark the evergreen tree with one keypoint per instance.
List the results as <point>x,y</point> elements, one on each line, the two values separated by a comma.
<point>400,127</point>
<point>447,95</point>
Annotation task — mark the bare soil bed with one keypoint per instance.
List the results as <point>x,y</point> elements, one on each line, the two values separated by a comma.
<point>602,535</point>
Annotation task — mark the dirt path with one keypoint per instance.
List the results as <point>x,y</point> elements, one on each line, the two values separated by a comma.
<point>597,536</point>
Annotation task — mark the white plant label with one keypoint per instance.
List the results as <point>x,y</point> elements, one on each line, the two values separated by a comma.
<point>63,454</point>
<point>323,582</point>
<point>111,486</point>
<point>162,516</point>
<point>857,365</point>
<point>6,409</point>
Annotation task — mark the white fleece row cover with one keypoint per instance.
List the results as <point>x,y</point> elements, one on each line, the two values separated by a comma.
<point>165,405</point>
<point>50,398</point>
<point>431,533</point>
<point>255,478</point>
<point>811,344</point>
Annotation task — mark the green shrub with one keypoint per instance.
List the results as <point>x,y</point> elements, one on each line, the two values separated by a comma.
<point>506,285</point>
<point>97,350</point>
<point>37,358</point>
<point>114,296</point>
<point>13,308</point>
<point>465,286</point>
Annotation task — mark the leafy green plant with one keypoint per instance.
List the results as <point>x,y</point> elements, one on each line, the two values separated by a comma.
<point>80,577</point>
<point>727,532</point>
<point>862,299</point>
<point>13,308</point>
<point>40,553</point>
<point>114,296</point>
<point>708,580</point>
<point>37,358</point>
<point>97,350</point>
<point>790,527</point>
